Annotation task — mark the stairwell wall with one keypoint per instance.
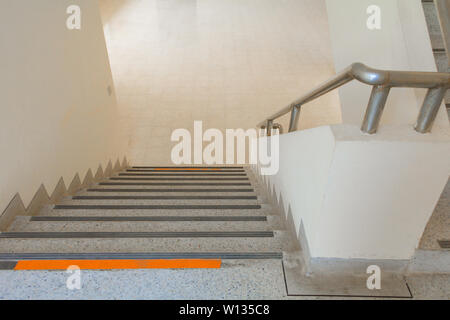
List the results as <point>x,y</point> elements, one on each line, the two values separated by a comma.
<point>58,107</point>
<point>401,43</point>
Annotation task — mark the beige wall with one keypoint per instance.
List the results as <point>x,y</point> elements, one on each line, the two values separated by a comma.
<point>57,117</point>
<point>402,43</point>
<point>229,63</point>
<point>361,196</point>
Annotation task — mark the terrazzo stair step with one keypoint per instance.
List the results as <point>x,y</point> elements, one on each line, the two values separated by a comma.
<point>192,184</point>
<point>162,202</point>
<point>162,191</point>
<point>444,244</point>
<point>23,224</point>
<point>186,167</point>
<point>195,171</point>
<point>141,256</point>
<point>169,190</point>
<point>164,197</point>
<point>205,223</point>
<point>167,179</point>
<point>182,175</point>
<point>433,25</point>
<point>50,211</point>
<point>109,206</point>
<point>277,243</point>
<point>135,234</point>
<point>196,188</point>
<point>114,192</point>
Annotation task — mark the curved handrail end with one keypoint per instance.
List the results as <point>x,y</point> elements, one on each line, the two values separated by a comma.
<point>368,75</point>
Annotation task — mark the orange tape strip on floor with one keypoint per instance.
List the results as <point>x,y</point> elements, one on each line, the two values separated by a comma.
<point>118,264</point>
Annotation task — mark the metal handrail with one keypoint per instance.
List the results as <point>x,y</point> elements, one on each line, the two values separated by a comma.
<point>382,81</point>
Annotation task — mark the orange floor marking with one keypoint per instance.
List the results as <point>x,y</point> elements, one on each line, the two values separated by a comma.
<point>118,264</point>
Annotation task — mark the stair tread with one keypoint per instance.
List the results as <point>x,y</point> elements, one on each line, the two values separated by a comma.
<point>133,234</point>
<point>156,206</point>
<point>50,211</point>
<point>142,212</point>
<point>168,188</point>
<point>177,184</point>
<point>159,202</point>
<point>157,191</point>
<point>141,255</point>
<point>142,245</point>
<point>174,195</point>
<point>25,225</point>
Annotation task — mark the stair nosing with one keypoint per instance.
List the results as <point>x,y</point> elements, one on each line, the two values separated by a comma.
<point>143,255</point>
<point>201,184</point>
<point>155,207</point>
<point>128,235</point>
<point>149,218</point>
<point>185,167</point>
<point>168,190</point>
<point>115,197</point>
<point>179,175</point>
<point>176,179</point>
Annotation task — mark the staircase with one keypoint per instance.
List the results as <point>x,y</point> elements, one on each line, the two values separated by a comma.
<point>154,213</point>
<point>437,41</point>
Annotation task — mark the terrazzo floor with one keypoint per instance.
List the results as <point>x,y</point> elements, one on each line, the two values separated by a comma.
<point>237,279</point>
<point>438,228</point>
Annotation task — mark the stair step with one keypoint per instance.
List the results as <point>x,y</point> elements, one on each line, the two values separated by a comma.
<point>174,190</point>
<point>174,184</point>
<point>163,202</point>
<point>206,171</point>
<point>151,218</point>
<point>178,244</point>
<point>174,195</point>
<point>122,235</point>
<point>142,224</point>
<point>153,207</point>
<point>48,210</point>
<point>213,179</point>
<point>187,167</point>
<point>444,244</point>
<point>163,191</point>
<point>164,197</point>
<point>173,176</point>
<point>140,256</point>
<point>181,174</point>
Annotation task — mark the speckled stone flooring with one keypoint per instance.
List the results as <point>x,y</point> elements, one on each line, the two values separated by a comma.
<point>438,228</point>
<point>237,279</point>
<point>262,279</point>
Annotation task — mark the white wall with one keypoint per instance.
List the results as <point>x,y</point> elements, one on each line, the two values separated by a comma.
<point>229,63</point>
<point>361,196</point>
<point>402,43</point>
<point>57,117</point>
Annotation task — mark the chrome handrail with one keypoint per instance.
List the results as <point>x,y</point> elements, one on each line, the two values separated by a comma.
<point>382,81</point>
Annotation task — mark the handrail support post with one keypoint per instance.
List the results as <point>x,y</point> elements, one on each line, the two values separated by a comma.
<point>375,109</point>
<point>269,127</point>
<point>429,109</point>
<point>295,115</point>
